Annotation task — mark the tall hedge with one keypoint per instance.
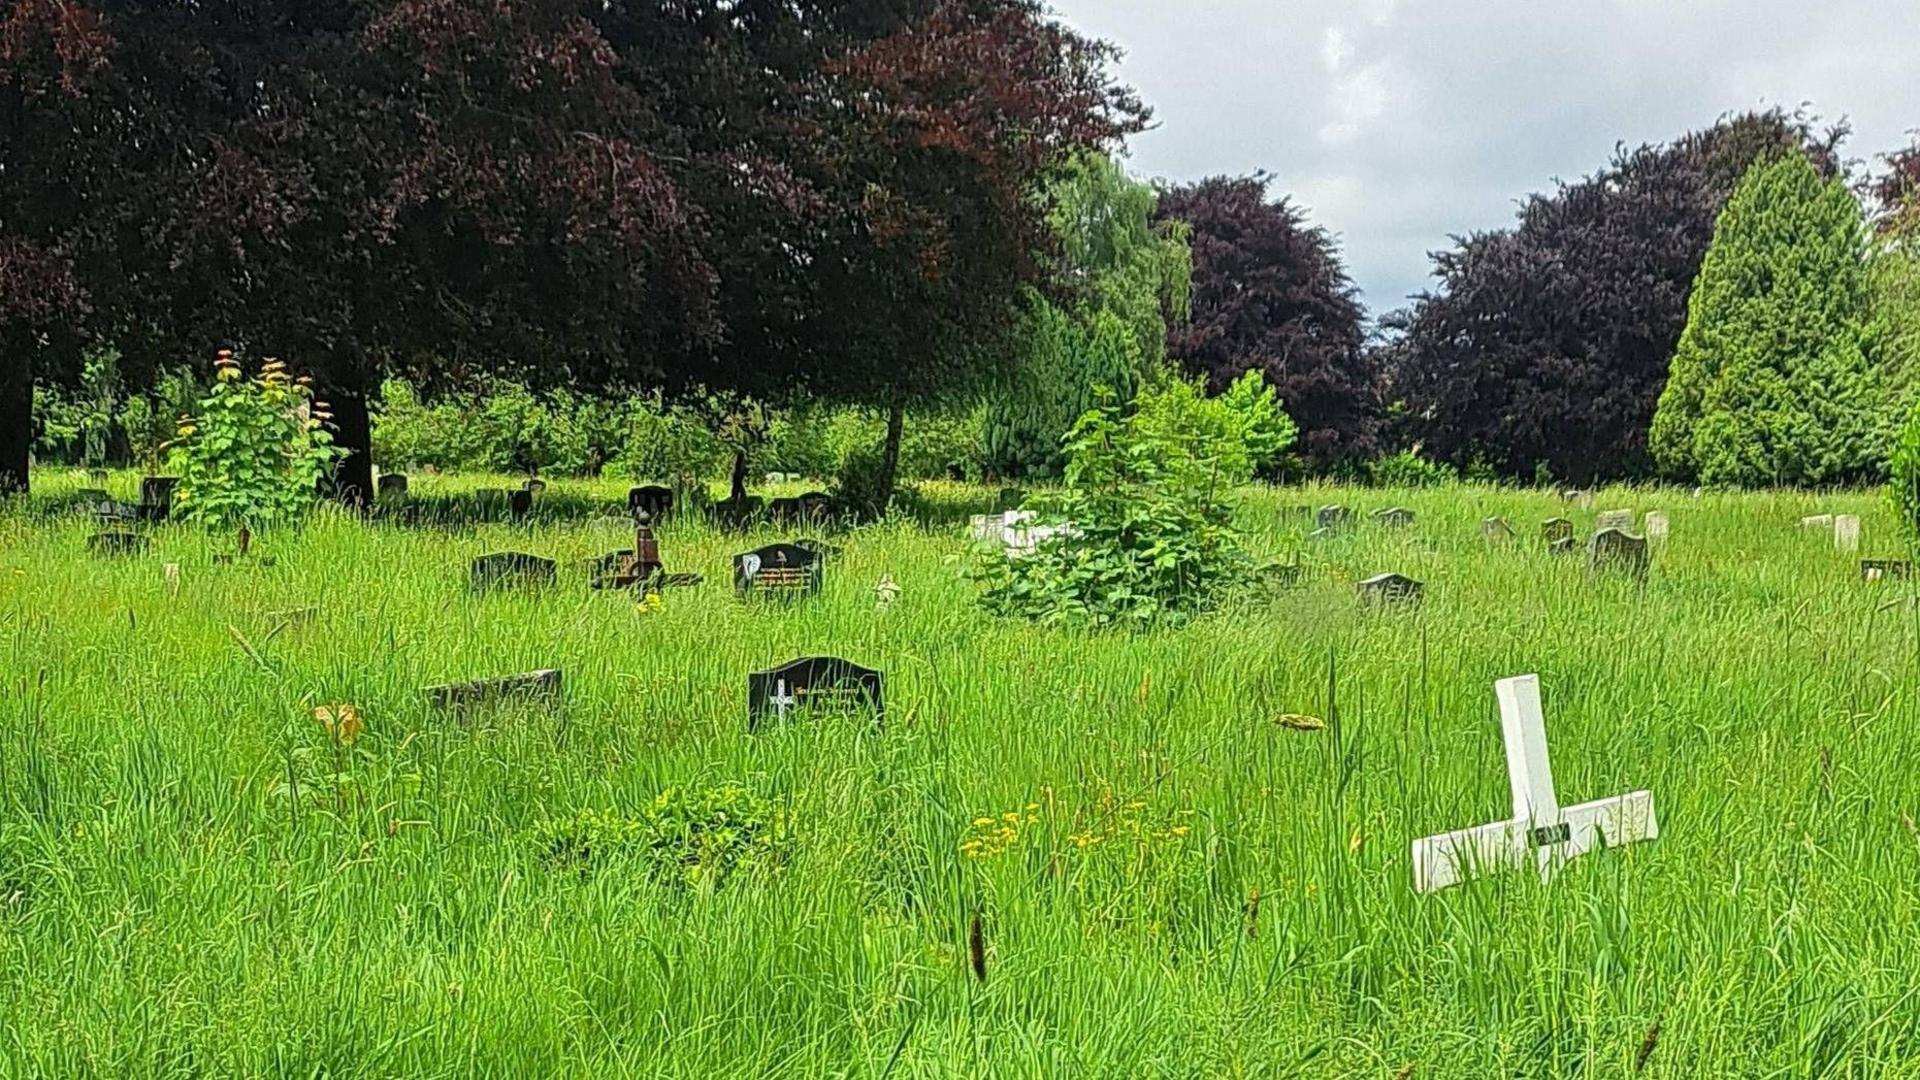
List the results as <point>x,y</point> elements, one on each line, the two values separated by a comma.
<point>1774,380</point>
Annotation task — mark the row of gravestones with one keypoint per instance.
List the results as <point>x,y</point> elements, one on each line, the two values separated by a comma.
<point>655,501</point>
<point>156,501</point>
<point>809,685</point>
<point>786,570</point>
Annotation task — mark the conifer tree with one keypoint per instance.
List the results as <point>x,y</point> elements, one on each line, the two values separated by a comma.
<point>1774,380</point>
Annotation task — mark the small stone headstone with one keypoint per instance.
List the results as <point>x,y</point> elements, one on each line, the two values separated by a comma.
<point>1582,499</point>
<point>1619,520</point>
<point>736,513</point>
<point>1554,530</point>
<point>1562,546</point>
<point>1883,569</point>
<point>156,497</point>
<point>531,685</point>
<point>510,569</point>
<point>117,544</point>
<point>1397,517</point>
<point>520,504</point>
<point>1657,525</point>
<point>391,489</point>
<point>815,684</point>
<point>1392,589</point>
<point>812,507</point>
<point>1846,533</point>
<point>1495,528</point>
<point>1817,521</point>
<point>652,500</point>
<point>785,571</point>
<point>1333,517</point>
<point>1613,550</point>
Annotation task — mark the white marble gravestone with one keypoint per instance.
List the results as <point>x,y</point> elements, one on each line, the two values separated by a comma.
<point>1540,832</point>
<point>1846,533</point>
<point>1657,525</point>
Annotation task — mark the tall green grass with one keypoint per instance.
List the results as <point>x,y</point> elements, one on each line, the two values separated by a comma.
<point>194,882</point>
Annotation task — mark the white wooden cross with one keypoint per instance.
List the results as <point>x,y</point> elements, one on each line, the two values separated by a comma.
<point>782,700</point>
<point>1540,831</point>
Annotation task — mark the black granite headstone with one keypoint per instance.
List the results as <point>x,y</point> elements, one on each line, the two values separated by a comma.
<point>814,684</point>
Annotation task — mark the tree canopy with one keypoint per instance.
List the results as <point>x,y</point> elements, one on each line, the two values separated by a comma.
<point>1270,295</point>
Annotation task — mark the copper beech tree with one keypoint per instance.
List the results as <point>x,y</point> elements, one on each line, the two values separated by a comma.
<point>770,198</point>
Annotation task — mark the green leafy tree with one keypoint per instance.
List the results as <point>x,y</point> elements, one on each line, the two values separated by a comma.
<point>253,451</point>
<point>1143,531</point>
<point>1126,278</point>
<point>1894,279</point>
<point>1904,489</point>
<point>1774,380</point>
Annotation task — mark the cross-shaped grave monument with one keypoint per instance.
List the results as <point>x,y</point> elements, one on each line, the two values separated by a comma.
<point>1541,831</point>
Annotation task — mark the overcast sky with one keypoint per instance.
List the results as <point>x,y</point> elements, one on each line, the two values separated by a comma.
<point>1397,122</point>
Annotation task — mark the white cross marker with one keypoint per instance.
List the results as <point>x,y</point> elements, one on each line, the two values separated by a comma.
<point>782,700</point>
<point>1540,831</point>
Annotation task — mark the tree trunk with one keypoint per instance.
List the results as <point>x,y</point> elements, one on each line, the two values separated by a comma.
<point>16,418</point>
<point>739,495</point>
<point>890,457</point>
<point>352,480</point>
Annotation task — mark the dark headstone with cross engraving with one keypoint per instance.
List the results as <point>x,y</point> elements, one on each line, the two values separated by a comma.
<point>510,569</point>
<point>777,570</point>
<point>115,544</point>
<point>1392,589</point>
<point>1555,530</point>
<point>1333,518</point>
<point>1614,550</point>
<point>652,500</point>
<point>814,684</point>
<point>529,686</point>
<point>156,497</point>
<point>1397,517</point>
<point>1883,569</point>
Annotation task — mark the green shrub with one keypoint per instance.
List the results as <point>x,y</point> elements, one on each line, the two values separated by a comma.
<point>684,837</point>
<point>666,443</point>
<point>253,451</point>
<point>1408,469</point>
<point>1903,489</point>
<point>1145,523</point>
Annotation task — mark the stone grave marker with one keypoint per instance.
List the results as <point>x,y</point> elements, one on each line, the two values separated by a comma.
<point>735,514</point>
<point>1612,549</point>
<point>156,497</point>
<point>1817,521</point>
<point>1556,531</point>
<point>814,684</point>
<point>1619,520</point>
<point>639,566</point>
<point>784,571</point>
<point>1392,589</point>
<point>390,489</point>
<point>1563,546</point>
<point>1657,526</point>
<point>1883,569</point>
<point>812,507</point>
<point>1846,533</point>
<point>1540,832</point>
<point>1496,528</point>
<point>520,504</point>
<point>1281,575</point>
<point>1335,518</point>
<point>1582,499</point>
<point>117,544</point>
<point>534,486</point>
<point>528,686</point>
<point>652,500</point>
<point>510,569</point>
<point>1398,517</point>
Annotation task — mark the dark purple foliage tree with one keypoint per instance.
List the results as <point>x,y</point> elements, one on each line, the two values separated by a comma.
<point>1546,345</point>
<point>1270,295</point>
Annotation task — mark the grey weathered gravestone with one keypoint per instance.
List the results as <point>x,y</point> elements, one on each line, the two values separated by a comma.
<point>115,544</point>
<point>1611,550</point>
<point>1619,520</point>
<point>1882,569</point>
<point>530,685</point>
<point>1555,530</point>
<point>785,571</point>
<point>1846,533</point>
<point>156,497</point>
<point>1657,526</point>
<point>1397,517</point>
<point>510,569</point>
<point>817,684</point>
<point>1392,589</point>
<point>652,500</point>
<point>1817,521</point>
<point>1333,517</point>
<point>390,489</point>
<point>1582,499</point>
<point>1495,528</point>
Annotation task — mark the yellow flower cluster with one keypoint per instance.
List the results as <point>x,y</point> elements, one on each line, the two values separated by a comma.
<point>989,836</point>
<point>1133,822</point>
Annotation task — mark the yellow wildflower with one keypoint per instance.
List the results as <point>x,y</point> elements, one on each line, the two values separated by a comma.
<point>341,721</point>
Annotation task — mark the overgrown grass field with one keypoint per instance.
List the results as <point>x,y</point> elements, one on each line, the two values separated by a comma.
<point>197,880</point>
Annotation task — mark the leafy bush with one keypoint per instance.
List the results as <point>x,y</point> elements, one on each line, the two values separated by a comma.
<point>665,442</point>
<point>1903,490</point>
<point>1408,469</point>
<point>1145,526</point>
<point>684,837</point>
<point>253,451</point>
